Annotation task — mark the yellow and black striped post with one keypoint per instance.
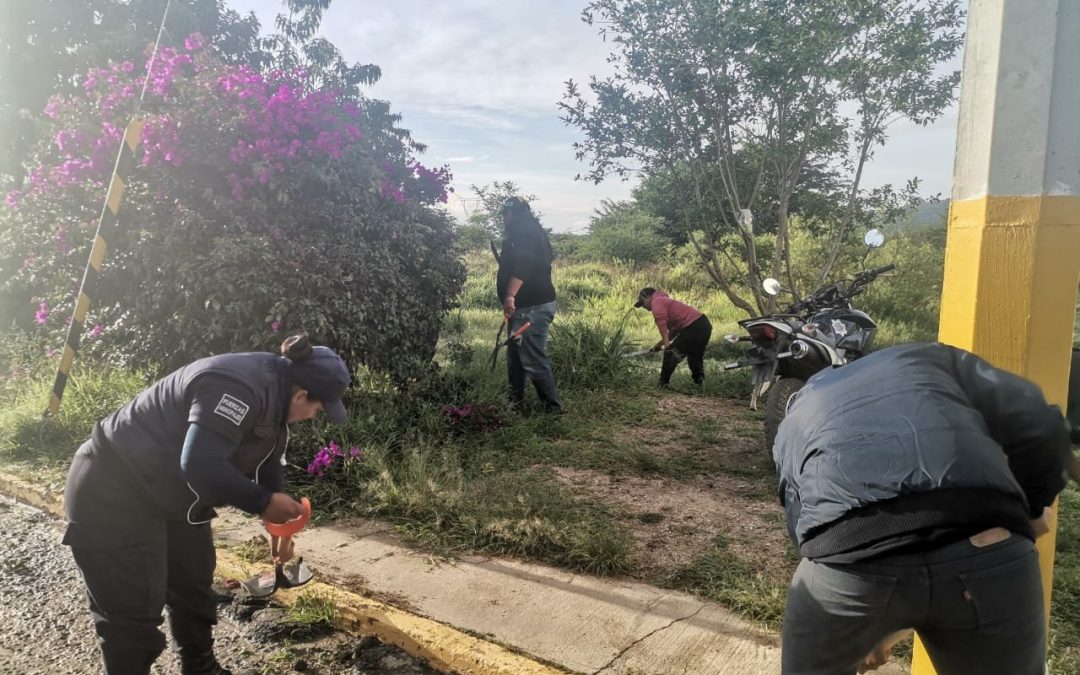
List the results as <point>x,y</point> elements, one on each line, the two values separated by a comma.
<point>125,162</point>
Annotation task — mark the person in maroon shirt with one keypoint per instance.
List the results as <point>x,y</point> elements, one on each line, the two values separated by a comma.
<point>684,333</point>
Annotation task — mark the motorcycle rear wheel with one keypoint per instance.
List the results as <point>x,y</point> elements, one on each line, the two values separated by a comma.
<point>776,406</point>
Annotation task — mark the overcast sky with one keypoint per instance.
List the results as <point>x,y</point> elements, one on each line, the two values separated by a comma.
<point>478,82</point>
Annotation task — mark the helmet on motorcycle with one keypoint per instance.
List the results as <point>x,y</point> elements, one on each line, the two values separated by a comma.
<point>847,329</point>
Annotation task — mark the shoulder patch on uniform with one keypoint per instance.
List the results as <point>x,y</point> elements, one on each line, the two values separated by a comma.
<point>232,409</point>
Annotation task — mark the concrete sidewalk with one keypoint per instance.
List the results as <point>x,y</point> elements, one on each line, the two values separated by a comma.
<point>577,622</point>
<point>582,623</point>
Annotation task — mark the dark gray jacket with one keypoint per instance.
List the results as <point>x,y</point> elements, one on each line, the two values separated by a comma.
<point>914,418</point>
<point>244,397</point>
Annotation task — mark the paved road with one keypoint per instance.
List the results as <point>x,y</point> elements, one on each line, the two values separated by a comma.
<point>45,624</point>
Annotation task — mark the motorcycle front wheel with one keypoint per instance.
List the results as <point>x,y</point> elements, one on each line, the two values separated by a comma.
<point>776,406</point>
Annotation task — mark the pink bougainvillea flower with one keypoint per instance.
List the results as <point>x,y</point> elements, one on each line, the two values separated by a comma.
<point>275,326</point>
<point>96,331</point>
<point>42,315</point>
<point>194,42</point>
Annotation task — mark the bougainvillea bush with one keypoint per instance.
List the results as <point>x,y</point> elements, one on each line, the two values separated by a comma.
<point>259,205</point>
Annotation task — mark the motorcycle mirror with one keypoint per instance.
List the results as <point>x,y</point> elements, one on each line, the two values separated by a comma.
<point>771,286</point>
<point>874,238</point>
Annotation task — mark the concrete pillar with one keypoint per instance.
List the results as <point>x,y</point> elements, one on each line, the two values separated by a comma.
<point>1012,264</point>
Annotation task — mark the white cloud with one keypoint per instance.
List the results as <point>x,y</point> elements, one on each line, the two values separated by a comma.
<point>478,82</point>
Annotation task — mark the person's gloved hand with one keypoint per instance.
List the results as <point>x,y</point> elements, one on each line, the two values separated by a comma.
<point>509,305</point>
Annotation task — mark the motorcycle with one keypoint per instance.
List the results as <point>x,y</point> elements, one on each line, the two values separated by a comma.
<point>821,331</point>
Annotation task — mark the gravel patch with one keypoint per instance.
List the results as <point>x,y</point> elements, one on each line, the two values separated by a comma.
<point>47,628</point>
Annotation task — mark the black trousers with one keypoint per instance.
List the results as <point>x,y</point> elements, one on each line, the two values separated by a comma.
<point>136,561</point>
<point>690,344</point>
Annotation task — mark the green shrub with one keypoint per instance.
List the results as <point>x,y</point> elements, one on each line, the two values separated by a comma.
<point>629,236</point>
<point>588,352</point>
<point>567,246</point>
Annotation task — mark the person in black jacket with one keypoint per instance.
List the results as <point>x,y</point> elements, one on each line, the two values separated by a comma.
<point>915,481</point>
<point>140,493</point>
<point>527,294</point>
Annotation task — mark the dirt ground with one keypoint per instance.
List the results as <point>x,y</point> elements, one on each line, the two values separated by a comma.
<point>730,494</point>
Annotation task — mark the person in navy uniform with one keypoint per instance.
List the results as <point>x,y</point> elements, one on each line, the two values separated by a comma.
<point>141,492</point>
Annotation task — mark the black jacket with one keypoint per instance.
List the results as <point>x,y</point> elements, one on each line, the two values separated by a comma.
<point>526,254</point>
<point>911,420</point>
<point>243,397</point>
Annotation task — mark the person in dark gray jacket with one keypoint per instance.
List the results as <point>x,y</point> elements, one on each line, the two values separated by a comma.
<point>914,482</point>
<point>141,493</point>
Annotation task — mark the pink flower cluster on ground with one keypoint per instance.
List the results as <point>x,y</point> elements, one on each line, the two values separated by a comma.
<point>480,417</point>
<point>42,314</point>
<point>328,456</point>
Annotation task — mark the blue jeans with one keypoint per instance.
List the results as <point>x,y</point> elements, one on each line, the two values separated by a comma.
<point>526,357</point>
<point>976,609</point>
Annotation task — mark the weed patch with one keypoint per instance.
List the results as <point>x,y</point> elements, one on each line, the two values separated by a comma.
<point>722,576</point>
<point>312,609</point>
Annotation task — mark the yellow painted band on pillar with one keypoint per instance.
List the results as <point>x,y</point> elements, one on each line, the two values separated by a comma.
<point>82,307</point>
<point>985,286</point>
<point>97,253</point>
<point>995,211</point>
<point>54,403</point>
<point>116,193</point>
<point>1012,267</point>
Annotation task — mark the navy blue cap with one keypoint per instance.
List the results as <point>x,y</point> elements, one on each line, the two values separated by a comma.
<point>326,378</point>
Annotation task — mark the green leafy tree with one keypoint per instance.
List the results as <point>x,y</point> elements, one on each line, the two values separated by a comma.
<point>489,199</point>
<point>736,100</point>
<point>623,231</point>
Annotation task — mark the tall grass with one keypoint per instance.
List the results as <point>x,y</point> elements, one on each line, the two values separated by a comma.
<point>47,444</point>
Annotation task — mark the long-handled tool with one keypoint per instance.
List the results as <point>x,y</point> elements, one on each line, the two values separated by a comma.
<point>499,344</point>
<point>498,340</point>
<point>291,576</point>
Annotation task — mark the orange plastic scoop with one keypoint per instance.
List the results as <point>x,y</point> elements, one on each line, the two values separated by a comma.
<point>293,526</point>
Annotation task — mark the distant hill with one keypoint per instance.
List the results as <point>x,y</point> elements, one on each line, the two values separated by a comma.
<point>928,214</point>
